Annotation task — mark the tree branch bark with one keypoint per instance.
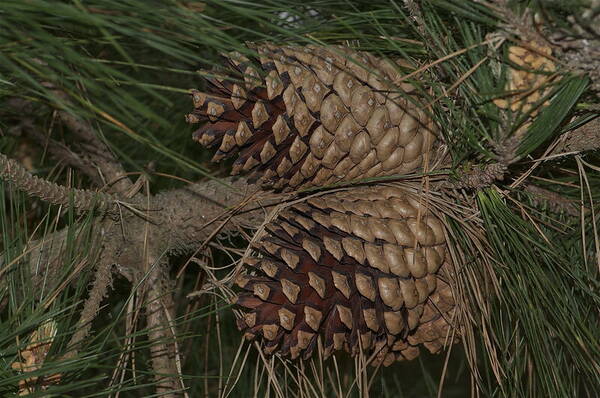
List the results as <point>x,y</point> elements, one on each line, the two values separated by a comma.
<point>82,200</point>
<point>92,155</point>
<point>584,138</point>
<point>97,153</point>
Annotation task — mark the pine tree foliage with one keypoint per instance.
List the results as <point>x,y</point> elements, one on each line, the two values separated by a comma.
<point>513,86</point>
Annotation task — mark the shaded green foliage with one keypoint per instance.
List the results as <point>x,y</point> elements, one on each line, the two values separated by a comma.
<point>547,334</point>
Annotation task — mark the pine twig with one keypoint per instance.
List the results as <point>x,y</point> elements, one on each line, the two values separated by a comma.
<point>553,200</point>
<point>160,334</point>
<point>87,152</point>
<point>97,152</point>
<point>584,138</point>
<point>480,176</point>
<point>102,281</point>
<point>58,150</point>
<point>417,15</point>
<point>82,200</point>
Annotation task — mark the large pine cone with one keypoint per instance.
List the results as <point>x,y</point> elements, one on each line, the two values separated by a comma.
<point>314,116</point>
<point>361,268</point>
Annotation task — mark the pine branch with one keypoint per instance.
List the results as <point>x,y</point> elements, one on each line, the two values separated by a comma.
<point>97,153</point>
<point>554,201</point>
<point>82,200</point>
<point>416,15</point>
<point>584,138</point>
<point>173,224</point>
<point>477,177</point>
<point>93,156</point>
<point>159,314</point>
<point>62,153</point>
<point>102,281</point>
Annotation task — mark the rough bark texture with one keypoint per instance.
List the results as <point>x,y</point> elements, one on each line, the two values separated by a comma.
<point>132,236</point>
<point>55,194</point>
<point>167,222</point>
<point>584,138</point>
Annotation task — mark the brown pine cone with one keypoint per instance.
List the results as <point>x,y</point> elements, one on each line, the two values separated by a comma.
<point>314,116</point>
<point>361,268</point>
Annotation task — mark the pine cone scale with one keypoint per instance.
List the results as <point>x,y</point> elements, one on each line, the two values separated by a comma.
<point>345,122</point>
<point>362,270</point>
<point>356,290</point>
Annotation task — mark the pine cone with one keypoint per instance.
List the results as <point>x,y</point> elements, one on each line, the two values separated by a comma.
<point>314,116</point>
<point>360,268</point>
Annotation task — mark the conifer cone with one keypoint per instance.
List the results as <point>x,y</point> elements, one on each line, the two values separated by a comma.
<point>363,269</point>
<point>314,116</point>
